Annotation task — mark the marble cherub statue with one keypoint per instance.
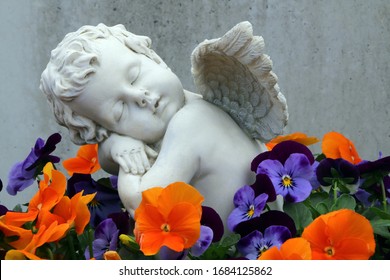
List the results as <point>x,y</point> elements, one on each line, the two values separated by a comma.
<point>107,86</point>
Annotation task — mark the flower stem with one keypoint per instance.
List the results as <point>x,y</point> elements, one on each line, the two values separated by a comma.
<point>90,239</point>
<point>384,198</point>
<point>69,239</point>
<point>335,188</point>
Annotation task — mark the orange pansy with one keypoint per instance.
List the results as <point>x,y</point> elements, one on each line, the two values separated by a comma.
<point>24,235</point>
<point>296,248</point>
<point>85,162</point>
<point>340,235</point>
<point>51,190</point>
<point>296,136</point>
<point>168,217</point>
<point>73,211</point>
<point>335,145</point>
<point>44,235</point>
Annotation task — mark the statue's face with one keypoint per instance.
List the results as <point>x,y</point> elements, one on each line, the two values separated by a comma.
<point>130,94</point>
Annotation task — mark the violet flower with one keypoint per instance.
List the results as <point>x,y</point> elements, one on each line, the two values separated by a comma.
<point>292,178</point>
<point>105,202</point>
<point>106,239</point>
<point>254,244</point>
<point>281,152</point>
<point>247,206</point>
<point>203,242</point>
<point>22,174</point>
<point>338,173</point>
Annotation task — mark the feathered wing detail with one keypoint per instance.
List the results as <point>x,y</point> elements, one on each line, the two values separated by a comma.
<point>233,73</point>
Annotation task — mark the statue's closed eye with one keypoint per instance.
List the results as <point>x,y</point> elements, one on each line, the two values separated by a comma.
<point>133,74</point>
<point>118,110</point>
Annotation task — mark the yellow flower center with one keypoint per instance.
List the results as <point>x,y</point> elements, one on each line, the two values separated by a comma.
<point>286,181</point>
<point>251,211</point>
<point>165,228</point>
<point>329,251</point>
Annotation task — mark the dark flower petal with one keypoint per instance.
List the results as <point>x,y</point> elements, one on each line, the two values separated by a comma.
<point>324,171</point>
<point>266,219</point>
<point>344,169</point>
<point>284,149</point>
<point>3,210</point>
<point>263,184</point>
<point>76,181</point>
<point>381,165</point>
<point>211,219</point>
<point>258,159</point>
<point>348,170</point>
<point>123,222</point>
<point>43,152</point>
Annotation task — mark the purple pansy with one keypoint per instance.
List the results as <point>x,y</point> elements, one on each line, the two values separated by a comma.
<point>106,239</point>
<point>105,202</point>
<point>203,242</point>
<point>281,152</point>
<point>247,206</point>
<point>291,178</point>
<point>255,243</point>
<point>22,174</point>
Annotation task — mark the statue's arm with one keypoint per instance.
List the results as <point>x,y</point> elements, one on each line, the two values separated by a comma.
<point>177,161</point>
<point>130,154</point>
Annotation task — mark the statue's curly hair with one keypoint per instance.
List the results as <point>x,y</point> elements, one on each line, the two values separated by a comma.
<point>71,65</point>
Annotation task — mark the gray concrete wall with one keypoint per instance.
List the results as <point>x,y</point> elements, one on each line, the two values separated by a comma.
<point>332,59</point>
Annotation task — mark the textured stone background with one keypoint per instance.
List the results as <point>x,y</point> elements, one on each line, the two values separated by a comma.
<point>331,57</point>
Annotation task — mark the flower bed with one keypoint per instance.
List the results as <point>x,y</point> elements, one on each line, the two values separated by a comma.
<point>301,206</point>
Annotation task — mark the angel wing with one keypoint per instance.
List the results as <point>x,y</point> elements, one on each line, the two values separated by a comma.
<point>233,73</point>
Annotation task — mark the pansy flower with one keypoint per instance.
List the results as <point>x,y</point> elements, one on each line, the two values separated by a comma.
<point>22,174</point>
<point>340,235</point>
<point>296,248</point>
<point>247,206</point>
<point>291,179</point>
<point>168,217</point>
<point>85,162</point>
<point>106,239</point>
<point>52,233</point>
<point>338,173</point>
<point>296,136</point>
<point>105,202</point>
<point>336,145</point>
<point>255,243</point>
<point>203,242</point>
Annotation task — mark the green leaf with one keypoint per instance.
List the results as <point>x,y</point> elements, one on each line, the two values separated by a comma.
<point>381,227</point>
<point>344,201</point>
<point>299,213</point>
<point>229,240</point>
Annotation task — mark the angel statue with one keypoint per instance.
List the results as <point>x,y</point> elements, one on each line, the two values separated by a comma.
<point>107,86</point>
